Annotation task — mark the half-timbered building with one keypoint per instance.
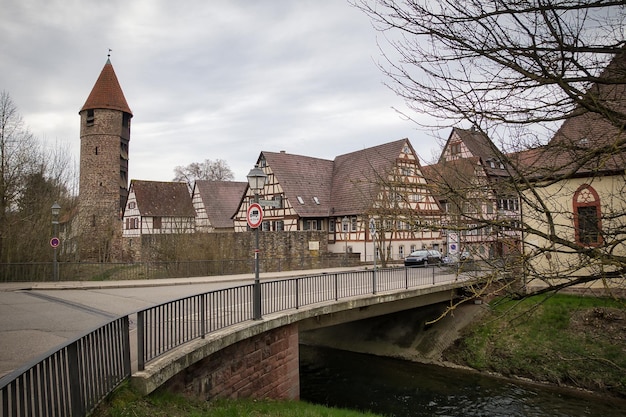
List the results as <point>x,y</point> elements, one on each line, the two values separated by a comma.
<point>215,203</point>
<point>155,207</point>
<point>383,184</point>
<point>473,185</point>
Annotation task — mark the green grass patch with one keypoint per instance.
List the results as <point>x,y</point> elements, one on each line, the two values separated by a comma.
<point>127,403</point>
<point>561,339</point>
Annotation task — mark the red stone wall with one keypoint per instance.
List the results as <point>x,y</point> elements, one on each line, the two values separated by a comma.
<point>264,366</point>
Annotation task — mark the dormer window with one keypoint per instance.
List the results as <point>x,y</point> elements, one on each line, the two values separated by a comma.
<point>300,200</point>
<point>317,200</point>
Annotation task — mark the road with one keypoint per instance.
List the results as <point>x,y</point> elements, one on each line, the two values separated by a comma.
<point>32,322</point>
<point>38,317</point>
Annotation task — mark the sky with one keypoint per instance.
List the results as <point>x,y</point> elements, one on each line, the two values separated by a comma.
<point>219,79</point>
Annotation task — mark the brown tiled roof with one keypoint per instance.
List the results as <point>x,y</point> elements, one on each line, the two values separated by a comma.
<point>451,177</point>
<point>165,199</point>
<point>587,143</point>
<point>345,186</point>
<point>356,176</point>
<point>106,92</point>
<point>221,200</point>
<point>305,177</point>
<point>480,146</point>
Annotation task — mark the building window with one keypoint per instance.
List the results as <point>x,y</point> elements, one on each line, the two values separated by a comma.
<point>587,216</point>
<point>331,225</point>
<point>265,226</point>
<point>131,205</point>
<point>353,223</point>
<point>508,204</point>
<point>300,200</point>
<point>279,225</point>
<point>90,117</point>
<point>455,148</point>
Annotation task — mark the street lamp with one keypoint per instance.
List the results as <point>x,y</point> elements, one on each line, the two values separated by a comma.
<point>56,209</point>
<point>256,181</point>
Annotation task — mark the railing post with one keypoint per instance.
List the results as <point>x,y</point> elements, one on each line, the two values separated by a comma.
<point>203,298</point>
<point>140,341</point>
<point>336,289</point>
<point>406,278</point>
<point>75,383</point>
<point>126,334</point>
<point>433,275</point>
<point>373,282</point>
<point>297,293</point>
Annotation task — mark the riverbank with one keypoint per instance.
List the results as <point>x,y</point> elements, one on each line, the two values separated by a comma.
<point>567,341</point>
<point>562,340</point>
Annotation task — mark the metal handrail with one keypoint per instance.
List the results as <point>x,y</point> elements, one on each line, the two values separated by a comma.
<point>73,379</point>
<point>163,327</point>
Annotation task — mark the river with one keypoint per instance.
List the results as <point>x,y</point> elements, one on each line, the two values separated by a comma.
<point>398,388</point>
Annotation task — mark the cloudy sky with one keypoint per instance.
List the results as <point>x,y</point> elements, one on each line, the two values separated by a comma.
<point>206,79</point>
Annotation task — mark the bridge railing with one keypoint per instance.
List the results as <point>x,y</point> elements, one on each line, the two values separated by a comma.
<point>73,379</point>
<point>164,327</point>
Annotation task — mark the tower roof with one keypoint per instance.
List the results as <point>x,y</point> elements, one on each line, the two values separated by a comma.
<point>106,92</point>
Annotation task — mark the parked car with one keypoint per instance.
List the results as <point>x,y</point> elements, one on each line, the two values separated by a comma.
<point>423,257</point>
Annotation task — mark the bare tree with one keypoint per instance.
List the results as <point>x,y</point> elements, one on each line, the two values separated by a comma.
<point>31,180</point>
<point>217,170</point>
<point>517,71</point>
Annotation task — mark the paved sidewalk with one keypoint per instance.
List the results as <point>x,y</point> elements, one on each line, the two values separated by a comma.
<point>90,285</point>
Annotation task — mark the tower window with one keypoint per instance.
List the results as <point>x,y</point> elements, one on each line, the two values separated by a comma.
<point>96,150</point>
<point>126,120</point>
<point>90,117</point>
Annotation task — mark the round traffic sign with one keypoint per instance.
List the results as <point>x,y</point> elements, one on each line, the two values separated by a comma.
<point>54,242</point>
<point>254,215</point>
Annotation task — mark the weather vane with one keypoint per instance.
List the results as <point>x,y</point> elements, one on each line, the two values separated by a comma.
<point>109,54</point>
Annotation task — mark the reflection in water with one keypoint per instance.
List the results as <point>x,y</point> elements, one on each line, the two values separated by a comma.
<point>399,388</point>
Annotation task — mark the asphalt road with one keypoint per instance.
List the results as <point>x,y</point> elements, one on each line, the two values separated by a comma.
<point>35,321</point>
<point>36,318</point>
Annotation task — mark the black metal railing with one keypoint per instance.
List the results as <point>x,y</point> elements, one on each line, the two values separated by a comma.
<point>72,380</point>
<point>163,327</point>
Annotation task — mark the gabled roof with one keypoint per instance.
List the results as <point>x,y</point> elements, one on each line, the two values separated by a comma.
<point>587,143</point>
<point>480,146</point>
<point>356,176</point>
<point>341,187</point>
<point>106,92</point>
<point>221,200</point>
<point>305,177</point>
<point>164,199</point>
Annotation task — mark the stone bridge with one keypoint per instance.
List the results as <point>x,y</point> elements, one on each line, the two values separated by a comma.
<point>259,358</point>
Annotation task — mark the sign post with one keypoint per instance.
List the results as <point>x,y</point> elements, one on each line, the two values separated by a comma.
<point>373,234</point>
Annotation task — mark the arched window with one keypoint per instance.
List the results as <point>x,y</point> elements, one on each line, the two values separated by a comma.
<point>587,216</point>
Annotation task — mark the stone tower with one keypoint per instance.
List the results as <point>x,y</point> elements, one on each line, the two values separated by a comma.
<point>103,184</point>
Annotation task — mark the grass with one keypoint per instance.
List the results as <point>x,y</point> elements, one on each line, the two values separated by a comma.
<point>127,403</point>
<point>561,339</point>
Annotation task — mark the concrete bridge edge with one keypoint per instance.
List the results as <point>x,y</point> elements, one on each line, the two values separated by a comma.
<point>177,360</point>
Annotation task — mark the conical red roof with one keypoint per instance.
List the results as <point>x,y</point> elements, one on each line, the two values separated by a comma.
<point>107,93</point>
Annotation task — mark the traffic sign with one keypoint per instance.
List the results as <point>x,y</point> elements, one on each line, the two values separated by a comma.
<point>54,242</point>
<point>372,227</point>
<point>254,215</point>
